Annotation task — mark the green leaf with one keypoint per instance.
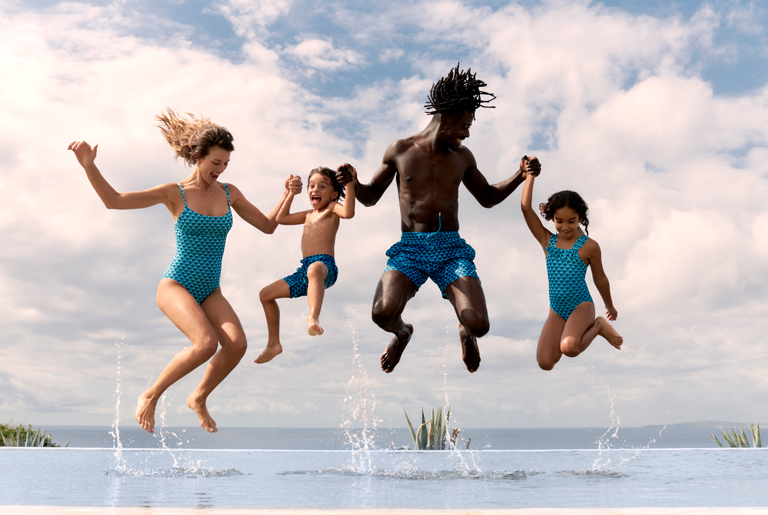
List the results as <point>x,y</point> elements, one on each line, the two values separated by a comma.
<point>714,439</point>
<point>413,433</point>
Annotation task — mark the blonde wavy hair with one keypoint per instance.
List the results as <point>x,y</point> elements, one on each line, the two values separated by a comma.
<point>192,138</point>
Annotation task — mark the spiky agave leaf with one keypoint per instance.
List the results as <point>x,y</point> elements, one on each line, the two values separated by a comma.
<point>714,439</point>
<point>5,442</point>
<point>422,435</point>
<point>729,440</point>
<point>413,433</point>
<point>743,437</point>
<point>756,441</point>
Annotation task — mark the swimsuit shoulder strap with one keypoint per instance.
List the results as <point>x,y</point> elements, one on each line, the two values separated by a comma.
<point>182,195</point>
<point>227,190</point>
<point>580,242</point>
<point>552,241</point>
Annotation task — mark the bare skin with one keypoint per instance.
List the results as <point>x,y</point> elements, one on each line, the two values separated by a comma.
<point>571,337</point>
<point>428,169</point>
<point>214,330</point>
<point>321,223</point>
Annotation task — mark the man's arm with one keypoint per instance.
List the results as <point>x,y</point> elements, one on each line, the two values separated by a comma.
<point>369,194</point>
<point>489,195</point>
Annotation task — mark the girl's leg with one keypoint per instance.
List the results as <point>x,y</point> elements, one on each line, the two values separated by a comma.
<point>316,274</point>
<point>186,314</point>
<point>548,351</point>
<point>268,295</point>
<point>231,336</point>
<point>582,327</point>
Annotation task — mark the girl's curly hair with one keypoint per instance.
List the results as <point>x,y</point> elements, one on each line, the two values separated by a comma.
<point>194,137</point>
<point>331,175</point>
<point>456,93</point>
<point>566,198</point>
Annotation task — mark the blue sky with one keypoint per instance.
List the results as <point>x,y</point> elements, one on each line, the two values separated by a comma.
<point>655,112</point>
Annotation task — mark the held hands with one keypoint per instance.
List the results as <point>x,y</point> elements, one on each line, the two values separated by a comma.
<point>345,174</point>
<point>293,184</point>
<point>83,152</point>
<point>530,166</point>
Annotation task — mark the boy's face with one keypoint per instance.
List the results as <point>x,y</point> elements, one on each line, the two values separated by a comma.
<point>320,190</point>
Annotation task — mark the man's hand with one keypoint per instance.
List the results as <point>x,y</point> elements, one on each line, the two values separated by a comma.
<point>293,184</point>
<point>530,165</point>
<point>345,173</point>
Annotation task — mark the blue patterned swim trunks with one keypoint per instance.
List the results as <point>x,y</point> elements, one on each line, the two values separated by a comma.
<point>298,282</point>
<point>440,256</point>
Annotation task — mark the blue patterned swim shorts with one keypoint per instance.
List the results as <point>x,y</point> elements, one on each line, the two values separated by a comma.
<point>440,256</point>
<point>298,282</point>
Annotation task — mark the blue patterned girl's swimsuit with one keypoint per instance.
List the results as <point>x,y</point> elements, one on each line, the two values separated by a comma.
<point>566,272</point>
<point>200,243</point>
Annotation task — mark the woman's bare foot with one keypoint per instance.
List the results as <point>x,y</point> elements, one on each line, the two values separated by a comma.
<point>313,328</point>
<point>199,407</point>
<point>391,356</point>
<point>470,353</point>
<point>269,352</point>
<point>606,330</point>
<point>145,412</point>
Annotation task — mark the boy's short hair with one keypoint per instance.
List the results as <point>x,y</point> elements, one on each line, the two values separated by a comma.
<point>331,175</point>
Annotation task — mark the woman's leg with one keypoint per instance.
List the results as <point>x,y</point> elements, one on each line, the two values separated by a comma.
<point>548,351</point>
<point>316,274</point>
<point>277,290</point>
<point>231,336</point>
<point>186,314</point>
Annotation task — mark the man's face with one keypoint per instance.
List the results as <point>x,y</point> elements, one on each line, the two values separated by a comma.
<point>456,128</point>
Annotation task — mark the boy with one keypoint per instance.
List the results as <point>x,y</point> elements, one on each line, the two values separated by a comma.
<point>318,269</point>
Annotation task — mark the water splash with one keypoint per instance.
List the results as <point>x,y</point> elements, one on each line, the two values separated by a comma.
<point>360,402</point>
<point>115,432</point>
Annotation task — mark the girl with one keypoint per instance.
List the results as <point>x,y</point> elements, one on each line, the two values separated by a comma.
<point>189,293</point>
<point>318,269</point>
<point>571,325</point>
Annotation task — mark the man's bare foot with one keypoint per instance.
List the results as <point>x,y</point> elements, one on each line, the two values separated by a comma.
<point>145,412</point>
<point>606,330</point>
<point>391,356</point>
<point>199,407</point>
<point>470,353</point>
<point>313,328</point>
<point>269,352</point>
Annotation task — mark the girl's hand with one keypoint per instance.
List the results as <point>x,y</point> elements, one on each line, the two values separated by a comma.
<point>611,313</point>
<point>83,152</point>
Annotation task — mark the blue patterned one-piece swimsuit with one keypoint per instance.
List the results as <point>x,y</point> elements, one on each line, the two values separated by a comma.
<point>566,272</point>
<point>200,241</point>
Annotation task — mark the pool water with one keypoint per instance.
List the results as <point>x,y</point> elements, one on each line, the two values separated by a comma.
<point>388,479</point>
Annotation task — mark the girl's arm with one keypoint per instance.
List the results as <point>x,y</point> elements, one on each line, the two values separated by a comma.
<point>532,218</point>
<point>347,210</point>
<point>600,279</point>
<point>113,199</point>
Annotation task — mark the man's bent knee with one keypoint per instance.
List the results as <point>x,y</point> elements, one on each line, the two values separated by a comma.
<point>476,324</point>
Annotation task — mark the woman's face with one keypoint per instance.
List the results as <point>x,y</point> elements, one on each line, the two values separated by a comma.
<point>214,164</point>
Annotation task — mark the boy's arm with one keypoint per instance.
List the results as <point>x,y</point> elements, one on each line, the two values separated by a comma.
<point>285,217</point>
<point>347,210</point>
<point>532,219</point>
<point>600,279</point>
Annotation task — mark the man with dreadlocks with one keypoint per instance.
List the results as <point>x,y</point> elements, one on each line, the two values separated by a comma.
<point>428,168</point>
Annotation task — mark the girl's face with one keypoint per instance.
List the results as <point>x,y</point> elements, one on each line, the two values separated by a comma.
<point>320,190</point>
<point>214,164</point>
<point>567,222</point>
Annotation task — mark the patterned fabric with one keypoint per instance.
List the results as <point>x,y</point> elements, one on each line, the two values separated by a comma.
<point>200,243</point>
<point>440,256</point>
<point>298,282</point>
<point>566,272</point>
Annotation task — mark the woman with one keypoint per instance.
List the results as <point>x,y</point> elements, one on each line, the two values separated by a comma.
<point>189,293</point>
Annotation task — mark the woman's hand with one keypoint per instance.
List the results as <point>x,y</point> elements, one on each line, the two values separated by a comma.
<point>83,152</point>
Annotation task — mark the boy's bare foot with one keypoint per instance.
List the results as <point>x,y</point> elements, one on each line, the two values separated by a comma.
<point>391,356</point>
<point>269,352</point>
<point>606,330</point>
<point>145,412</point>
<point>470,353</point>
<point>313,328</point>
<point>199,407</point>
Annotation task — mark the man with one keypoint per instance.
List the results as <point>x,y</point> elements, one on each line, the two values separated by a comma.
<point>428,168</point>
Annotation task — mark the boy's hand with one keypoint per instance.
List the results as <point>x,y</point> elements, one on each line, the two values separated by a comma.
<point>293,184</point>
<point>530,165</point>
<point>345,173</point>
<point>83,152</point>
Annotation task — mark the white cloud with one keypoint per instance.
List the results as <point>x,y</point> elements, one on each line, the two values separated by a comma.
<point>321,54</point>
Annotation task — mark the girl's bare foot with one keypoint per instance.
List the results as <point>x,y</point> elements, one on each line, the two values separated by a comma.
<point>199,407</point>
<point>145,412</point>
<point>313,328</point>
<point>269,352</point>
<point>606,330</point>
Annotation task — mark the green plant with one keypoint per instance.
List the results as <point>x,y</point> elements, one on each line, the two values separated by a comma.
<point>20,436</point>
<point>431,434</point>
<point>739,439</point>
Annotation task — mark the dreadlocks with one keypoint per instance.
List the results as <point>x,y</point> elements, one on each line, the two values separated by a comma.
<point>458,92</point>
